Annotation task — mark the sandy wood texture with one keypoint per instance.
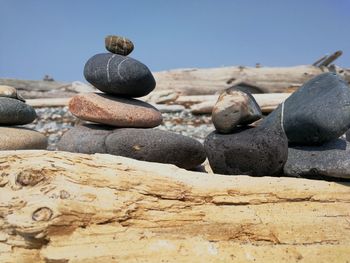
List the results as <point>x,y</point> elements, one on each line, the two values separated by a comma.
<point>264,79</point>
<point>66,207</point>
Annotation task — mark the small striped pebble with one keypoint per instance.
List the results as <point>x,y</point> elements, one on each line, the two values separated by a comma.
<point>119,45</point>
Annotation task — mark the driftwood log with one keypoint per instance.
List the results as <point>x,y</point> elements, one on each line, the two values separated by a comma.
<point>199,104</point>
<point>257,80</point>
<point>200,81</point>
<point>66,207</point>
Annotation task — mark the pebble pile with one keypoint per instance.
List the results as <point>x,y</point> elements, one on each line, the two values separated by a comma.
<point>13,112</point>
<point>316,117</point>
<point>236,147</point>
<point>122,125</point>
<point>301,138</point>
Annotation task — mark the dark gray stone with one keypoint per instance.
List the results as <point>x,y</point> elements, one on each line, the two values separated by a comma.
<point>259,151</point>
<point>330,160</point>
<point>119,75</point>
<point>87,138</point>
<point>156,146</point>
<point>316,113</point>
<point>141,144</point>
<point>15,112</point>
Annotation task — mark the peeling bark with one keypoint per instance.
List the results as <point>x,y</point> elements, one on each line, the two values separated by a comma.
<point>66,207</point>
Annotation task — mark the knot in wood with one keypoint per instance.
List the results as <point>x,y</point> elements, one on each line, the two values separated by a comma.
<point>42,214</point>
<point>64,194</point>
<point>29,177</point>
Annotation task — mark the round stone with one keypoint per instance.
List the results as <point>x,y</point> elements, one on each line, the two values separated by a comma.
<point>119,45</point>
<point>119,75</point>
<point>15,112</point>
<point>156,146</point>
<point>16,138</point>
<point>87,138</point>
<point>142,144</point>
<point>120,112</point>
<point>260,151</point>
<point>234,107</point>
<point>316,113</point>
<point>10,92</point>
<point>328,161</point>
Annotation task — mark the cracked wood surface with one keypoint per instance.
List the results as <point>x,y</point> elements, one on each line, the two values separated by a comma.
<point>66,207</point>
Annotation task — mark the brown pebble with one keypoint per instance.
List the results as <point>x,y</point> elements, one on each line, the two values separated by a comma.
<point>119,45</point>
<point>114,111</point>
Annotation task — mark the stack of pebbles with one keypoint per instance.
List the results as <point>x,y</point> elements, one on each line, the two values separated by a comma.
<point>301,138</point>
<point>14,111</point>
<point>315,118</point>
<point>124,123</point>
<point>236,147</point>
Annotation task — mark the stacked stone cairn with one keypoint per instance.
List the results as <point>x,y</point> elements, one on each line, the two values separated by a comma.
<point>13,112</point>
<point>122,125</point>
<point>301,138</point>
<point>236,147</point>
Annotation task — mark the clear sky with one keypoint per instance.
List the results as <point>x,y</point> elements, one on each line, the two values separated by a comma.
<point>39,37</point>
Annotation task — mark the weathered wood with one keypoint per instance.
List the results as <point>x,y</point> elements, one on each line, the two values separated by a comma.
<point>48,102</point>
<point>66,207</point>
<point>198,81</point>
<point>330,59</point>
<point>33,85</point>
<point>34,89</point>
<point>321,59</point>
<point>265,79</point>
<point>203,104</point>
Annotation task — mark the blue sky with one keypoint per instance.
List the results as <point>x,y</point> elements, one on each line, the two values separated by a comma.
<point>39,37</point>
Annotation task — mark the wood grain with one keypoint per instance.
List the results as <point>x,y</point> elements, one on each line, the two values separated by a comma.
<point>66,207</point>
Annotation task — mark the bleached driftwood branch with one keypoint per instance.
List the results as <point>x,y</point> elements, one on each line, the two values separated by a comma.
<point>263,80</point>
<point>48,102</point>
<point>66,207</point>
<point>203,81</point>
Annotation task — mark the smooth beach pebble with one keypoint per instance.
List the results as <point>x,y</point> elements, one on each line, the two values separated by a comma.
<point>331,160</point>
<point>15,112</point>
<point>150,145</point>
<point>119,75</point>
<point>86,138</point>
<point>110,110</point>
<point>10,92</point>
<point>17,138</point>
<point>317,112</point>
<point>119,45</point>
<point>156,146</point>
<point>260,151</point>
